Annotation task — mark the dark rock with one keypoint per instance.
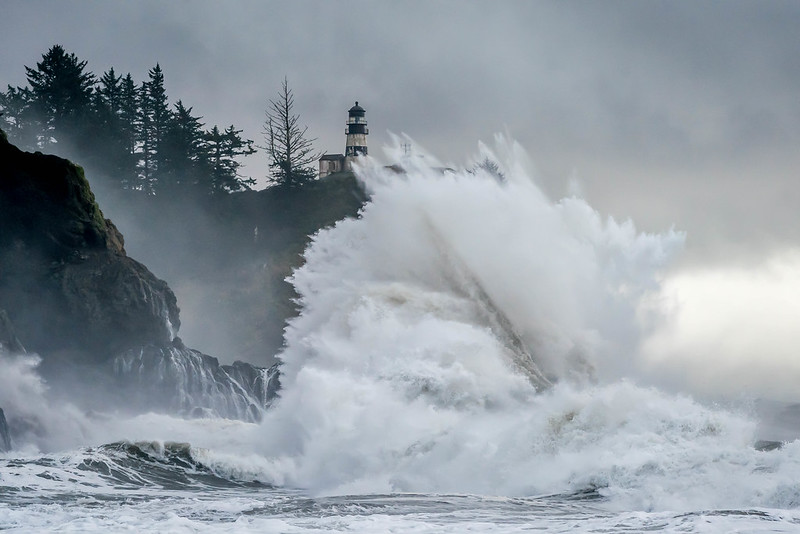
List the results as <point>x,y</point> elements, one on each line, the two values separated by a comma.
<point>8,338</point>
<point>190,383</point>
<point>235,254</point>
<point>5,436</point>
<point>102,323</point>
<point>765,445</point>
<point>65,279</point>
<point>263,384</point>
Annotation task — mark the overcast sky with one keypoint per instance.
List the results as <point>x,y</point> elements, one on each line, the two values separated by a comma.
<point>671,113</point>
<point>684,113</point>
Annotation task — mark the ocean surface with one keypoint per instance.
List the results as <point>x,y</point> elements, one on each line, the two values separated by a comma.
<point>156,487</point>
<point>467,359</point>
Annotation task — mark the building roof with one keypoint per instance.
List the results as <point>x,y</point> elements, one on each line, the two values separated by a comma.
<point>331,157</point>
<point>357,108</point>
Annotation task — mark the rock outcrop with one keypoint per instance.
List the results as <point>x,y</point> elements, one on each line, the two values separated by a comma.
<point>102,323</point>
<point>5,436</point>
<point>66,281</point>
<point>190,383</point>
<point>8,338</point>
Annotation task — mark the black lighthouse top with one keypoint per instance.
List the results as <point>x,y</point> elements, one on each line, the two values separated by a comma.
<point>357,111</point>
<point>356,132</point>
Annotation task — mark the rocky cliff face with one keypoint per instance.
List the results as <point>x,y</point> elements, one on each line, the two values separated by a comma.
<point>190,383</point>
<point>9,343</point>
<point>66,281</point>
<point>5,436</point>
<point>101,321</point>
<point>235,252</point>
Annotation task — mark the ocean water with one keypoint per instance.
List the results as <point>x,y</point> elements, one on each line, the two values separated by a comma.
<point>468,359</point>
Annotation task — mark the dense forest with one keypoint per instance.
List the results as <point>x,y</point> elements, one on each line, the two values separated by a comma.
<point>123,129</point>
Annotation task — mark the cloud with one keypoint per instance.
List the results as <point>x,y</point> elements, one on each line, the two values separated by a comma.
<point>731,331</point>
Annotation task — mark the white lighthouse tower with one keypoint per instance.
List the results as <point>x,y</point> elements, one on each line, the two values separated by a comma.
<point>357,132</point>
<point>356,144</point>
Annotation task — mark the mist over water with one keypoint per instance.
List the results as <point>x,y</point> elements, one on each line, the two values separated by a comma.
<point>432,326</point>
<point>465,335</point>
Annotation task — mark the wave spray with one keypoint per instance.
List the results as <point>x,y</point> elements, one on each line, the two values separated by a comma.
<point>468,334</point>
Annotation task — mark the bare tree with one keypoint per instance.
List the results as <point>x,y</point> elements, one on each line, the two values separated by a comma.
<point>290,151</point>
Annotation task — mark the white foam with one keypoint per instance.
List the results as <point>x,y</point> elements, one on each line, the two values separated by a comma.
<point>406,370</point>
<point>398,374</point>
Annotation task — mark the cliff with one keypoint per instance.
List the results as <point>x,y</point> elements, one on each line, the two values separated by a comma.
<point>66,281</point>
<point>5,435</point>
<point>229,255</point>
<point>70,293</point>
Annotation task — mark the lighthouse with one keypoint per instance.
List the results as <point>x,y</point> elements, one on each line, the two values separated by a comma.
<point>356,144</point>
<point>356,132</point>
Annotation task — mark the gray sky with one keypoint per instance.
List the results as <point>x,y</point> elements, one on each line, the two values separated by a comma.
<point>683,113</point>
<point>671,113</point>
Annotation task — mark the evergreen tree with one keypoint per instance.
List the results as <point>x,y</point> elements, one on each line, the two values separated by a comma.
<point>109,93</point>
<point>130,133</point>
<point>20,120</point>
<point>182,151</point>
<point>154,119</point>
<point>110,152</point>
<point>128,121</point>
<point>144,139</point>
<point>128,112</point>
<point>62,91</point>
<point>290,151</point>
<point>490,167</point>
<point>223,149</point>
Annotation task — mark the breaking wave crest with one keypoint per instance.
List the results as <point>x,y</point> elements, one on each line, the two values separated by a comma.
<point>464,335</point>
<point>468,334</point>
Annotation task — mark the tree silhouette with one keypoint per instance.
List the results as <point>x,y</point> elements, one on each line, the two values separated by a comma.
<point>62,91</point>
<point>182,151</point>
<point>154,120</point>
<point>291,152</point>
<point>20,119</point>
<point>124,130</point>
<point>222,150</point>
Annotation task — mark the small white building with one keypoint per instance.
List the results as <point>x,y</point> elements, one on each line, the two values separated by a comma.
<point>355,144</point>
<point>330,163</point>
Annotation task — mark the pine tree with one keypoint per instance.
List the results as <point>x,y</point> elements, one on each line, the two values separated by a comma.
<point>144,139</point>
<point>223,149</point>
<point>128,121</point>
<point>20,120</point>
<point>62,91</point>
<point>110,152</point>
<point>182,151</point>
<point>290,151</point>
<point>154,118</point>
<point>109,93</point>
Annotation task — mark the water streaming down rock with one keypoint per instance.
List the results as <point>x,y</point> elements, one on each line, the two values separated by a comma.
<point>8,338</point>
<point>187,382</point>
<point>5,435</point>
<point>501,326</point>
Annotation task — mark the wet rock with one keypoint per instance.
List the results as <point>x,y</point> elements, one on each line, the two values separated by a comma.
<point>102,323</point>
<point>179,380</point>
<point>67,283</point>
<point>765,445</point>
<point>5,435</point>
<point>8,338</point>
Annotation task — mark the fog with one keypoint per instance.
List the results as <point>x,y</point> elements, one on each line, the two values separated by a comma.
<point>679,116</point>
